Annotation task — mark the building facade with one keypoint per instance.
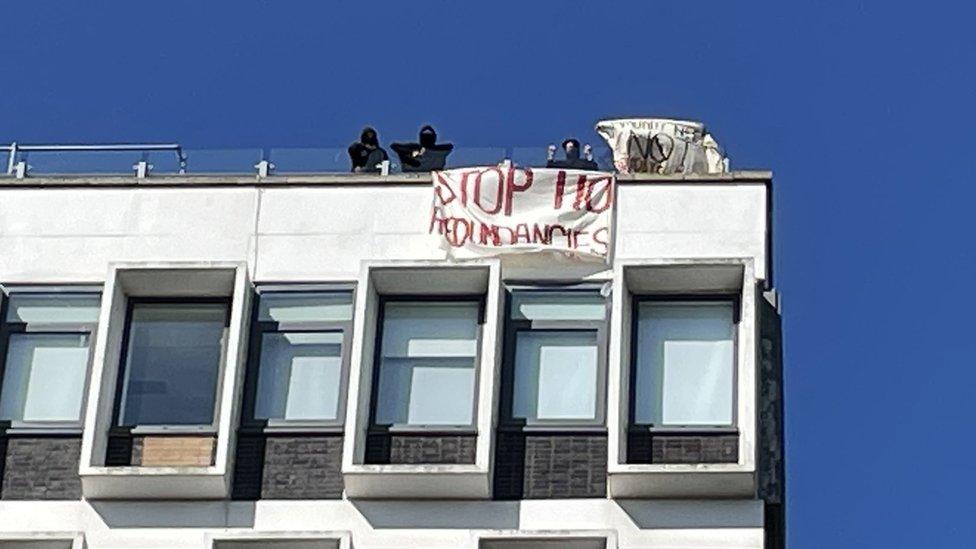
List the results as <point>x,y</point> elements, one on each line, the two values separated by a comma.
<point>230,362</point>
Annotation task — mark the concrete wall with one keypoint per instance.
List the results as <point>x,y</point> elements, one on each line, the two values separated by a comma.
<point>324,232</point>
<point>395,524</point>
<point>319,232</point>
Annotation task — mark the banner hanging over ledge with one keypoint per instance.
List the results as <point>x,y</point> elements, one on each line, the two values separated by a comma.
<point>479,212</point>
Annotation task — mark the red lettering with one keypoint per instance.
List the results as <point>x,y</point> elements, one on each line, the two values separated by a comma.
<point>540,234</point>
<point>560,189</point>
<point>511,187</point>
<point>551,230</point>
<point>489,232</point>
<point>455,237</point>
<point>498,191</point>
<point>580,192</point>
<point>606,193</point>
<point>522,232</point>
<point>600,238</point>
<point>434,219</point>
<point>444,185</point>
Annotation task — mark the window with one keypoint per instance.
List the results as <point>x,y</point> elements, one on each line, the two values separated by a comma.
<point>44,342</point>
<point>299,358</point>
<point>427,362</point>
<point>302,543</point>
<point>684,363</point>
<point>556,367</point>
<point>172,361</point>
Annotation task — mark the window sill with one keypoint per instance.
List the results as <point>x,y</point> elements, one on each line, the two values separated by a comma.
<point>685,430</point>
<point>554,429</point>
<point>291,430</point>
<point>28,430</point>
<point>187,430</point>
<point>446,430</point>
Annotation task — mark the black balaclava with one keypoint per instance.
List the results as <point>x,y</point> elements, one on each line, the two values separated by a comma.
<point>574,153</point>
<point>368,137</point>
<point>428,137</point>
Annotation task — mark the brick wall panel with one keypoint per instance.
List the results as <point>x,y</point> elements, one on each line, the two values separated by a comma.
<point>41,469</point>
<point>418,449</point>
<point>550,466</point>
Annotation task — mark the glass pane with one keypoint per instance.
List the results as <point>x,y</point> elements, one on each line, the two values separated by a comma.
<point>684,364</point>
<point>44,377</point>
<point>306,307</point>
<point>427,364</point>
<point>172,363</point>
<point>430,391</point>
<point>54,308</point>
<point>277,544</point>
<point>555,375</point>
<point>299,376</point>
<point>412,329</point>
<point>558,306</point>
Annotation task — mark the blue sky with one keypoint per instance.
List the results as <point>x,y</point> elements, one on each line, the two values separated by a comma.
<point>863,110</point>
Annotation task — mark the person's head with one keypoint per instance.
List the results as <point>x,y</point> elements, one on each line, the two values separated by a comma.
<point>369,138</point>
<point>572,148</point>
<point>428,137</point>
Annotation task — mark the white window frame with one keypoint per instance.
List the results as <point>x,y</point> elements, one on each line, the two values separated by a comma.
<point>422,278</point>
<point>225,279</point>
<point>728,276</point>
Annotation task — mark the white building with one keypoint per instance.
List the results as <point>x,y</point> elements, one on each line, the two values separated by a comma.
<point>218,361</point>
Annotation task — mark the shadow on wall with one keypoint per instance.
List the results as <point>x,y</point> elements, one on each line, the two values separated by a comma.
<point>494,515</point>
<point>693,514</point>
<point>169,514</point>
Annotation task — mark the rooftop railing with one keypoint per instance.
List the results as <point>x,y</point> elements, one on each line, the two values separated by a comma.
<point>146,160</point>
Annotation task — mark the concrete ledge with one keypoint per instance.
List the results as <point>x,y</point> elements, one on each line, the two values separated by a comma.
<point>294,540</point>
<point>344,179</point>
<point>42,540</point>
<point>154,483</point>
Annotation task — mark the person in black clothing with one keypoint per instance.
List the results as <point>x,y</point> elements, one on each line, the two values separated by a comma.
<point>573,160</point>
<point>424,156</point>
<point>366,154</point>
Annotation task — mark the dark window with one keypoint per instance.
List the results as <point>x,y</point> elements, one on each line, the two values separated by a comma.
<point>172,360</point>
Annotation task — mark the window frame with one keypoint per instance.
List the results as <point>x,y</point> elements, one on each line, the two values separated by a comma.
<point>512,329</point>
<point>115,428</point>
<point>735,300</point>
<point>253,364</point>
<point>400,428</point>
<point>7,329</point>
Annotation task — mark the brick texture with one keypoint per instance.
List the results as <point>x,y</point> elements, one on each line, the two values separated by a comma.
<point>537,466</point>
<point>288,467</point>
<point>41,468</point>
<point>418,449</point>
<point>644,447</point>
<point>170,451</point>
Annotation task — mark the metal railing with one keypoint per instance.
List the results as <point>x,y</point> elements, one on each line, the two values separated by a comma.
<point>174,159</point>
<point>18,167</point>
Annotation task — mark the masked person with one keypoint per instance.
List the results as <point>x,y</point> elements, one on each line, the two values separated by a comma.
<point>573,160</point>
<point>366,154</point>
<point>425,156</point>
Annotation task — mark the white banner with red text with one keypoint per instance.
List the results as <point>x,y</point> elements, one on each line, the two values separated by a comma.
<point>489,211</point>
